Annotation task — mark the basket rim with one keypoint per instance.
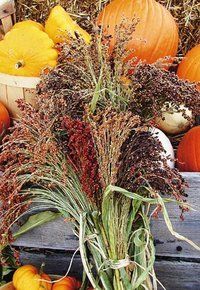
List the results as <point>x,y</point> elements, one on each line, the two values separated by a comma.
<point>19,81</point>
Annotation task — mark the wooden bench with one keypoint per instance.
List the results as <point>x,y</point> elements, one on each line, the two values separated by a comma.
<point>177,265</point>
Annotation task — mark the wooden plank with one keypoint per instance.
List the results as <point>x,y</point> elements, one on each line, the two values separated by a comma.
<point>166,245</point>
<point>7,23</point>
<point>178,275</point>
<point>173,274</point>
<point>55,262</point>
<point>7,7</point>
<point>42,237</point>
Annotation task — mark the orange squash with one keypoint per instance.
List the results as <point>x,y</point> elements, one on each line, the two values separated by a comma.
<point>188,153</point>
<point>68,283</point>
<point>189,68</point>
<point>156,32</point>
<point>4,119</point>
<point>28,278</point>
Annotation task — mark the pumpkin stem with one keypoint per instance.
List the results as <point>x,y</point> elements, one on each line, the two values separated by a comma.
<point>19,64</point>
<point>42,268</point>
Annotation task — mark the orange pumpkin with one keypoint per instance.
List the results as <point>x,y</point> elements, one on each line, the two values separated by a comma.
<point>156,32</point>
<point>189,68</point>
<point>4,119</point>
<point>28,278</point>
<point>188,153</point>
<point>68,283</point>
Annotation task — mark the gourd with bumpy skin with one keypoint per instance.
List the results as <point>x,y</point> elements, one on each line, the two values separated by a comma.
<point>172,120</point>
<point>68,283</point>
<point>155,35</point>
<point>28,278</point>
<point>189,68</point>
<point>28,24</point>
<point>188,152</point>
<point>26,52</point>
<point>59,26</point>
<point>4,119</point>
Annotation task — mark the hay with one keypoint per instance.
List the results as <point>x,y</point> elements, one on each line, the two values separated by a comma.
<point>186,13</point>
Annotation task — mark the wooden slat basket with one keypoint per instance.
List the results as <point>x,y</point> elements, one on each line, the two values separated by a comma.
<point>13,88</point>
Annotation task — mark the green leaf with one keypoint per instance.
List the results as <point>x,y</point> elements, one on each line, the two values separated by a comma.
<point>35,221</point>
<point>7,270</point>
<point>125,280</point>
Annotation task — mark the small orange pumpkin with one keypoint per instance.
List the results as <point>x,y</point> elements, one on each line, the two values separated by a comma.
<point>189,68</point>
<point>4,119</point>
<point>28,278</point>
<point>68,283</point>
<point>155,35</point>
<point>188,153</point>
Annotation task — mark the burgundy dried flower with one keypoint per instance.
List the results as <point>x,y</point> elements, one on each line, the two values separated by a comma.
<point>82,154</point>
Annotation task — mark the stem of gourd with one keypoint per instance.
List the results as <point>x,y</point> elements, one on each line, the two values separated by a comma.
<point>42,268</point>
<point>19,64</point>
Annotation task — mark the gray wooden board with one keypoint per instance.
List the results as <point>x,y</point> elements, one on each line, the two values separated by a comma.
<point>174,275</point>
<point>58,234</point>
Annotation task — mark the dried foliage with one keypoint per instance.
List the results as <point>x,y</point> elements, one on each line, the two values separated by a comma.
<point>81,153</point>
<point>86,151</point>
<point>110,129</point>
<point>186,13</point>
<point>24,152</point>
<point>69,84</point>
<point>83,12</point>
<point>155,87</point>
<point>85,75</point>
<point>142,164</point>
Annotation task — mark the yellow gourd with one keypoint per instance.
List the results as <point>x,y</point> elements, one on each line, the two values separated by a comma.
<point>26,52</point>
<point>28,24</point>
<point>59,26</point>
<point>28,278</point>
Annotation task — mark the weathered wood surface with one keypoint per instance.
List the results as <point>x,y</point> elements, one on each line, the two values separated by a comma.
<point>7,16</point>
<point>58,234</point>
<point>177,266</point>
<point>174,275</point>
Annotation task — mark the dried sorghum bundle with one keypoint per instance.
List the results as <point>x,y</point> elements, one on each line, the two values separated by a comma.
<point>110,130</point>
<point>82,154</point>
<point>69,85</point>
<point>155,87</point>
<point>24,152</point>
<point>143,163</point>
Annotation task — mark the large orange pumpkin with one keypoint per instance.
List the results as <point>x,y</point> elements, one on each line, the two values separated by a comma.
<point>28,278</point>
<point>4,119</point>
<point>68,283</point>
<point>156,32</point>
<point>188,153</point>
<point>189,68</point>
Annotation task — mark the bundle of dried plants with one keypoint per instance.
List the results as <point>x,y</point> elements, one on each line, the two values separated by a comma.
<point>85,150</point>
